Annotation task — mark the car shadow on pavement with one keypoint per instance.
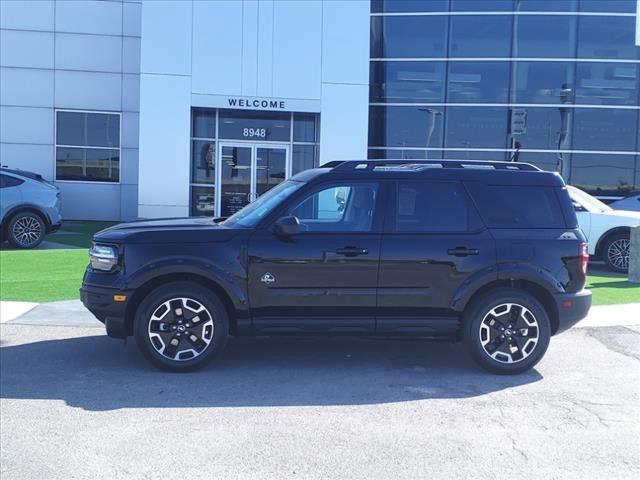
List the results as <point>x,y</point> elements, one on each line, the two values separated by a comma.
<point>98,373</point>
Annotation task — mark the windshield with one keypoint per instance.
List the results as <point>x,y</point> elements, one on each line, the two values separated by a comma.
<point>251,215</point>
<point>589,203</point>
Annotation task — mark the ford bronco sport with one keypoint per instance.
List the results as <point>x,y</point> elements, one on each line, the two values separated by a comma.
<point>488,253</point>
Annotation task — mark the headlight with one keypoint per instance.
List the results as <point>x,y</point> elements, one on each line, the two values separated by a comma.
<point>103,257</point>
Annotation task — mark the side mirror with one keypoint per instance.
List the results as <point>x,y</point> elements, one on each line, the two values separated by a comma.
<point>287,226</point>
<point>577,207</point>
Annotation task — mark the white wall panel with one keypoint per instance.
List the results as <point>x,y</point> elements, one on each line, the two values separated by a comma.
<point>217,47</point>
<point>104,204</point>
<point>131,19</point>
<point>131,55</point>
<point>26,49</point>
<point>344,122</point>
<point>265,49</point>
<point>98,53</point>
<point>131,92</point>
<point>26,87</point>
<point>165,129</point>
<point>166,37</point>
<point>297,49</point>
<point>88,90</point>
<point>345,42</point>
<point>35,158</point>
<point>31,15</point>
<point>250,47</point>
<point>129,130</point>
<point>128,202</point>
<point>129,166</point>
<point>26,125</point>
<point>89,16</point>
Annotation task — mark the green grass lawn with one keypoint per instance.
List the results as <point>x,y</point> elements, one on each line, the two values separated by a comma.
<point>609,288</point>
<point>77,234</point>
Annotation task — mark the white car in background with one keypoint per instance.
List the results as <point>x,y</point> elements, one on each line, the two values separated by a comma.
<point>631,202</point>
<point>607,230</point>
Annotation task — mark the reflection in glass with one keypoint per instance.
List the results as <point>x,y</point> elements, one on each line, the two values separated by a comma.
<point>303,158</point>
<point>203,123</point>
<point>481,5</point>
<point>545,161</point>
<point>236,179</point>
<point>607,37</point>
<point>88,164</point>
<point>475,155</point>
<point>607,84</point>
<point>203,201</point>
<point>304,127</point>
<point>616,6</point>
<point>271,164</point>
<point>605,129</point>
<point>407,82</point>
<point>256,126</point>
<point>544,36</point>
<point>547,5</point>
<point>603,174</point>
<point>403,154</point>
<point>476,127</point>
<point>203,157</point>
<point>405,126</point>
<point>69,163</point>
<point>422,36</point>
<point>542,129</point>
<point>480,36</point>
<point>385,6</point>
<point>542,82</point>
<point>473,82</point>
<point>70,128</point>
<point>103,130</point>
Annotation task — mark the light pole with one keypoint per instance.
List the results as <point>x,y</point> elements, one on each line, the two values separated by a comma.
<point>433,114</point>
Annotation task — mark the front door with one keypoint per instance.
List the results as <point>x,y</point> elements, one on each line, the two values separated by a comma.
<point>246,171</point>
<point>324,279</point>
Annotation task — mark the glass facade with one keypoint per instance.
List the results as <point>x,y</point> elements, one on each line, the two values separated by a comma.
<point>551,82</point>
<point>237,155</point>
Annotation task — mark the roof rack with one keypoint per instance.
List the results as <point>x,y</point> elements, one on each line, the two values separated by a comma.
<point>408,165</point>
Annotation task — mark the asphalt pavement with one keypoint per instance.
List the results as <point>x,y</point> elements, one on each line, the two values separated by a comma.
<point>76,404</point>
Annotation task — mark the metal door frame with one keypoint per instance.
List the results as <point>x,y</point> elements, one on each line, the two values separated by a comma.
<point>253,146</point>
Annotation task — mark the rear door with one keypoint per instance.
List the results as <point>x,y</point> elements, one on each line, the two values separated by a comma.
<point>433,242</point>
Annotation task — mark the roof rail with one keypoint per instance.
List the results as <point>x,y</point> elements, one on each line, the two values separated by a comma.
<point>415,164</point>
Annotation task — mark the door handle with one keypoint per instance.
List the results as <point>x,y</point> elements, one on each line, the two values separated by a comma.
<point>352,251</point>
<point>462,251</point>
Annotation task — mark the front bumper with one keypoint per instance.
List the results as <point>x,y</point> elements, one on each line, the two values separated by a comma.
<point>572,307</point>
<point>101,302</point>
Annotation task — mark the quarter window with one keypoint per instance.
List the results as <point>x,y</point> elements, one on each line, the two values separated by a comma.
<point>8,181</point>
<point>88,146</point>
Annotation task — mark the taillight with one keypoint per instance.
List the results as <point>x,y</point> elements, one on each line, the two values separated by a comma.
<point>584,258</point>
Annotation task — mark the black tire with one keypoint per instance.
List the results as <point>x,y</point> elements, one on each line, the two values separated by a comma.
<point>177,304</point>
<point>615,252</point>
<point>476,329</point>
<point>26,230</point>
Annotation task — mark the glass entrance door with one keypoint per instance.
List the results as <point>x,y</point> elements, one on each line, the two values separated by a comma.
<point>247,171</point>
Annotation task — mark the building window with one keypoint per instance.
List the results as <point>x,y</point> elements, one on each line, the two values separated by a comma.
<point>87,146</point>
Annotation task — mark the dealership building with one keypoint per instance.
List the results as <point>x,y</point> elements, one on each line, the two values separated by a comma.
<point>175,108</point>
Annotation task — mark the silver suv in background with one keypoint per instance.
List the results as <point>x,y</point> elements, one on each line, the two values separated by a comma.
<point>29,208</point>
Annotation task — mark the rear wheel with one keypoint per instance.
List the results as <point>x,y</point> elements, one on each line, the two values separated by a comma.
<point>615,252</point>
<point>507,331</point>
<point>26,230</point>
<point>181,326</point>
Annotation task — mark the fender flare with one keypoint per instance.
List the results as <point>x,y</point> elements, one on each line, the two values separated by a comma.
<point>26,206</point>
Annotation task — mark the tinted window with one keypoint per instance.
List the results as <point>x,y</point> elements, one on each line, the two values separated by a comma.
<point>540,128</point>
<point>548,5</point>
<point>384,6</point>
<point>607,84</point>
<point>480,36</point>
<point>481,5</point>
<point>251,125</point>
<point>476,127</point>
<point>303,158</point>
<point>545,36</point>
<point>407,82</point>
<point>471,82</point>
<point>339,208</point>
<point>203,123</point>
<point>203,164</point>
<point>604,129</point>
<point>433,207</point>
<point>620,6</point>
<point>406,126</point>
<point>542,82</point>
<point>7,181</point>
<point>607,37</point>
<point>603,174</point>
<point>423,36</point>
<point>518,206</point>
<point>304,127</point>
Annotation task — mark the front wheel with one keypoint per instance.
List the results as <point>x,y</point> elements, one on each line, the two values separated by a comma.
<point>181,326</point>
<point>507,331</point>
<point>615,252</point>
<point>26,230</point>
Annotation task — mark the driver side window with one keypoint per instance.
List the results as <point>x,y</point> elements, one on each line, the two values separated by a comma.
<point>339,208</point>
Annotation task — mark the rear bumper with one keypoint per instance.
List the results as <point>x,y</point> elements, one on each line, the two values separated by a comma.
<point>572,307</point>
<point>100,301</point>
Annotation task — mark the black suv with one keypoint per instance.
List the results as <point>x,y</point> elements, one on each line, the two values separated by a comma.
<point>488,253</point>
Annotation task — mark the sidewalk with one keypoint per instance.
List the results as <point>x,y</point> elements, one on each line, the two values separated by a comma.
<point>73,313</point>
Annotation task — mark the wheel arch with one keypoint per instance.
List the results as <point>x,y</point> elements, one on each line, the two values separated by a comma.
<point>23,208</point>
<point>605,237</point>
<point>142,290</point>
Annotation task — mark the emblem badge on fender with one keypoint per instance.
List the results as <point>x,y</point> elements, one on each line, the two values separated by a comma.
<point>267,278</point>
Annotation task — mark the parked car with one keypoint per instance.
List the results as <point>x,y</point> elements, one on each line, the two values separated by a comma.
<point>607,230</point>
<point>29,208</point>
<point>488,253</point>
<point>630,203</point>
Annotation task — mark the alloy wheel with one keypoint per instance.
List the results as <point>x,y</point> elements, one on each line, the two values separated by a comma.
<point>180,329</point>
<point>509,333</point>
<point>618,253</point>
<point>27,231</point>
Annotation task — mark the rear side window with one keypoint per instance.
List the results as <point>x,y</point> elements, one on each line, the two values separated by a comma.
<point>518,206</point>
<point>7,181</point>
<point>434,207</point>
